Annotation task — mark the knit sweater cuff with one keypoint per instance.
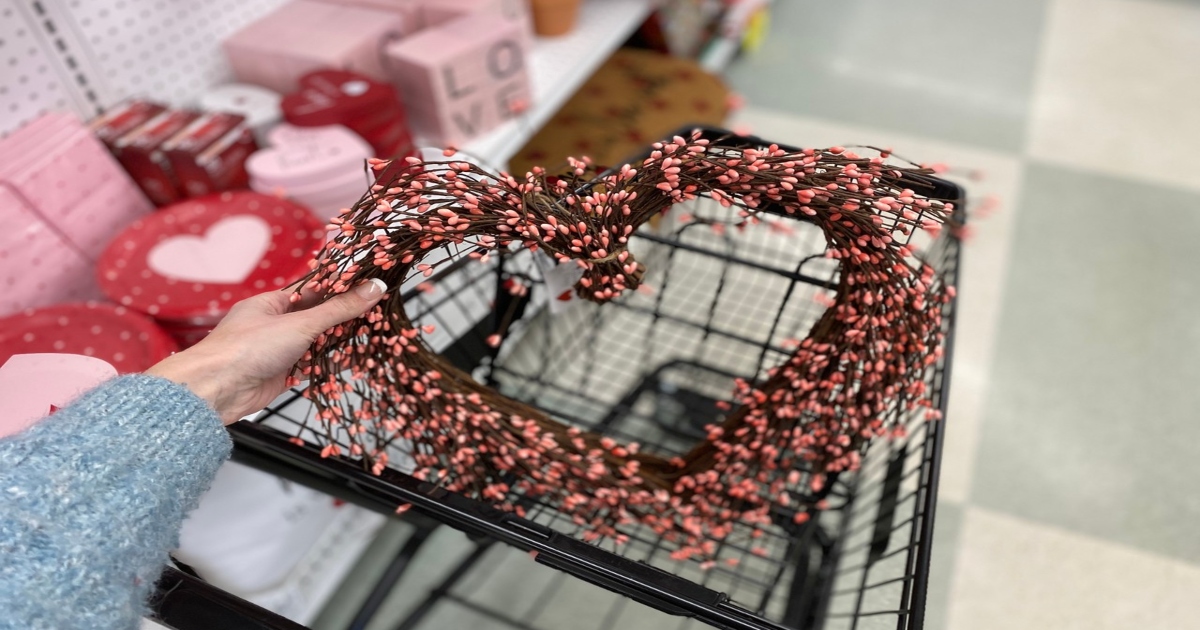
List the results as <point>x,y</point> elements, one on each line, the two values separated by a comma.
<point>91,498</point>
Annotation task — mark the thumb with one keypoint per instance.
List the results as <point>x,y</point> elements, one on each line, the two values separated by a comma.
<point>340,308</point>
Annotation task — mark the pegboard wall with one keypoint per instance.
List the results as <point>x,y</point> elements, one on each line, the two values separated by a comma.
<point>87,55</point>
<point>34,75</point>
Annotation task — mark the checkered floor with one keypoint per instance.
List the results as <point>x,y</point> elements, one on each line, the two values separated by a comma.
<point>1068,493</point>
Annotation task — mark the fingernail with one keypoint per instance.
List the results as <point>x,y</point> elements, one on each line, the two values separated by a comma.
<point>371,289</point>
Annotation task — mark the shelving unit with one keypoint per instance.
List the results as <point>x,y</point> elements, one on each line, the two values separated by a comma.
<point>85,56</point>
<point>69,51</point>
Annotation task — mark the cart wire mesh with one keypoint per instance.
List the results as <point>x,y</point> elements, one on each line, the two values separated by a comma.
<point>722,302</point>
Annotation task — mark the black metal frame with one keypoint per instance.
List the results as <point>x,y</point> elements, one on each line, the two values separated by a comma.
<point>814,554</point>
<point>185,602</point>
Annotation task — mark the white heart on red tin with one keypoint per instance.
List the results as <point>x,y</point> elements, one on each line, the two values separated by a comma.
<point>33,386</point>
<point>225,254</point>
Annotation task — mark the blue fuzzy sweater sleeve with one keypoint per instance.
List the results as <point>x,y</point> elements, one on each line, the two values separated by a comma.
<point>92,498</point>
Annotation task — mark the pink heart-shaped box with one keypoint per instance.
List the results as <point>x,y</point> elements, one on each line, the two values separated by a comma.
<point>307,156</point>
<point>33,386</point>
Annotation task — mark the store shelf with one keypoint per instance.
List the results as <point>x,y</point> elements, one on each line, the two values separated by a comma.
<point>558,67</point>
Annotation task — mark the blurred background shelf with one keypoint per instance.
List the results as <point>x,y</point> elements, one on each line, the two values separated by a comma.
<point>558,67</point>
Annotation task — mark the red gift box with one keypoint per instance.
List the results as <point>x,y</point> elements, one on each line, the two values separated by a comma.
<point>140,152</point>
<point>369,108</point>
<point>188,264</point>
<point>210,154</point>
<point>122,119</point>
<point>126,339</point>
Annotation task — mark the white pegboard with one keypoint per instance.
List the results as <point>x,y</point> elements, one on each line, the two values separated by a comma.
<point>92,54</point>
<point>169,50</point>
<point>34,75</point>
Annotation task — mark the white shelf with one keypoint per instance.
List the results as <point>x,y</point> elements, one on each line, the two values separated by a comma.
<point>558,67</point>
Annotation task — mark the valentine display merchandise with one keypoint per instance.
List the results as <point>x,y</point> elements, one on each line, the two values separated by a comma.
<point>369,108</point>
<point>209,155</point>
<point>34,386</point>
<point>636,96</point>
<point>321,168</point>
<point>461,78</point>
<point>122,119</point>
<point>140,152</point>
<point>187,264</point>
<point>37,265</point>
<point>48,356</point>
<point>124,338</point>
<point>258,105</point>
<point>552,18</point>
<point>62,198</point>
<point>64,175</point>
<point>305,35</point>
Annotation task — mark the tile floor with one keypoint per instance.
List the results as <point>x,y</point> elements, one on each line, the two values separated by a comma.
<point>1067,496</point>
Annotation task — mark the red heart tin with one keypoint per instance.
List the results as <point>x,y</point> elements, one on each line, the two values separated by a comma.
<point>190,262</point>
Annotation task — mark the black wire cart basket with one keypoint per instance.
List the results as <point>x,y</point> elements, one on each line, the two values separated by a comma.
<point>652,366</point>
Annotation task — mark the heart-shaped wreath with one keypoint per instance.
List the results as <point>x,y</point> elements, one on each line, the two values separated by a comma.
<point>862,368</point>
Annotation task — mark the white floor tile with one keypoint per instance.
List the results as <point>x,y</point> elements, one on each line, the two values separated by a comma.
<point>1012,573</point>
<point>1116,89</point>
<point>985,261</point>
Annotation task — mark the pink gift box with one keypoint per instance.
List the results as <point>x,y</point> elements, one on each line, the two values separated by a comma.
<point>71,182</point>
<point>304,35</point>
<point>37,265</point>
<point>407,10</point>
<point>461,78</point>
<point>435,13</point>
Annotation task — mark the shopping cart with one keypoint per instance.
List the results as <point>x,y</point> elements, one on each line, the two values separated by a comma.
<point>652,366</point>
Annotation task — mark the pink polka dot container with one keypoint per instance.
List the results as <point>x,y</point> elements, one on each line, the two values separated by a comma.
<point>188,264</point>
<point>126,339</point>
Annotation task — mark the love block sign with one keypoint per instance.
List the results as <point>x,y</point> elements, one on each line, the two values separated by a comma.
<point>463,77</point>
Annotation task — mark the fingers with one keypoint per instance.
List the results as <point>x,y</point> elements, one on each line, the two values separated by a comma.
<point>340,308</point>
<point>308,299</point>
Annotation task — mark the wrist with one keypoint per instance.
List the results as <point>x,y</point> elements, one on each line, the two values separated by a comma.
<point>202,374</point>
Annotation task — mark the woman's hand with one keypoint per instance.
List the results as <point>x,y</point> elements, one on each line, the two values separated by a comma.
<point>242,365</point>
